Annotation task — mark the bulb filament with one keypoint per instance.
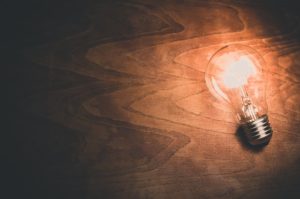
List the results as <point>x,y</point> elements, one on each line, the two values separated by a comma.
<point>248,108</point>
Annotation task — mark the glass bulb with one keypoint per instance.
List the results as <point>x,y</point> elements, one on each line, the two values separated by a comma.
<point>235,75</point>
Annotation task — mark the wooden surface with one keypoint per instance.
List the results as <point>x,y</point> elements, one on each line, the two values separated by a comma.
<point>112,101</point>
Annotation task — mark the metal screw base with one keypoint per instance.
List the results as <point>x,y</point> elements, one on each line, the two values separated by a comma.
<point>258,131</point>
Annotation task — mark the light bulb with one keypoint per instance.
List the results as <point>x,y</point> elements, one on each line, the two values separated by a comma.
<point>234,74</point>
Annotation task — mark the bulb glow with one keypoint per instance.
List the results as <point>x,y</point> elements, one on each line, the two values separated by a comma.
<point>235,74</point>
<point>238,72</point>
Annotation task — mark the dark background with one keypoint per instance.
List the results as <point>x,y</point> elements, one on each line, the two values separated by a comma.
<point>98,101</point>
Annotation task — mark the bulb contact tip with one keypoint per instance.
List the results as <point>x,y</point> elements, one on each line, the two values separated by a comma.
<point>259,131</point>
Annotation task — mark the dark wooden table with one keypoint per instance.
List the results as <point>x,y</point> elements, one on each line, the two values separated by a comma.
<point>111,101</point>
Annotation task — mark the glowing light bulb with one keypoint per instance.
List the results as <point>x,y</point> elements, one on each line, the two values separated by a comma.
<point>235,75</point>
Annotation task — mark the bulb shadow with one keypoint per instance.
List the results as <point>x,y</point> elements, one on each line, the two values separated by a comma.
<point>241,137</point>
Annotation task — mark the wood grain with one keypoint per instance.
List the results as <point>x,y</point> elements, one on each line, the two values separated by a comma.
<point>112,102</point>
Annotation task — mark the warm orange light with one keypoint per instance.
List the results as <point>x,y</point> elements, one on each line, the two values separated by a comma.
<point>234,74</point>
